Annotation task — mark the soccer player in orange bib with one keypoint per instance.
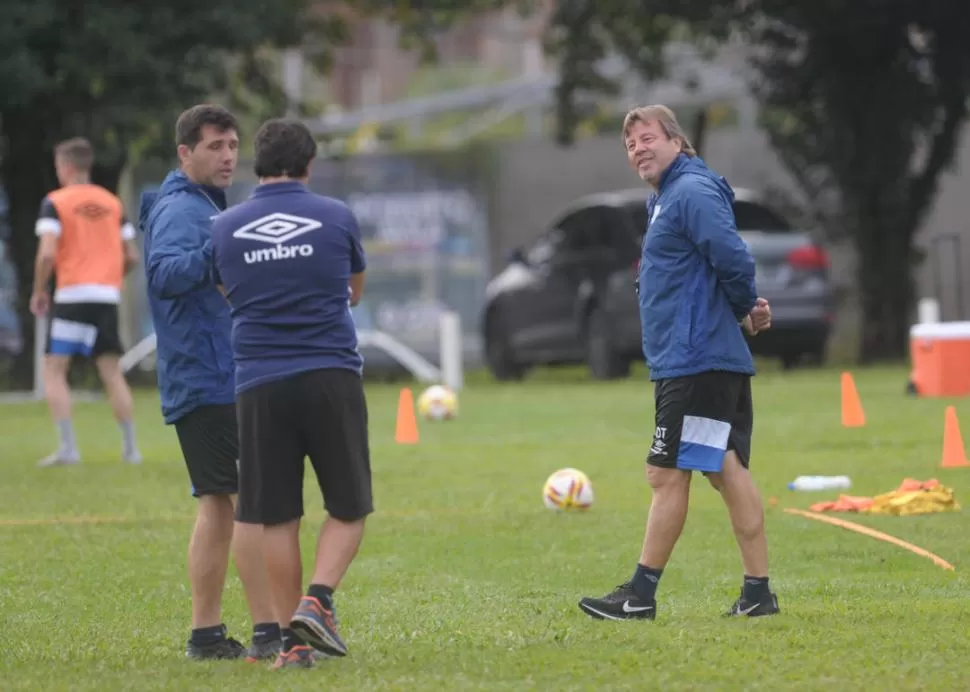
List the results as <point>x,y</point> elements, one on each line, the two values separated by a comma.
<point>88,243</point>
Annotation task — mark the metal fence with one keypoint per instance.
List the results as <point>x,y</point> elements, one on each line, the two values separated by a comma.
<point>425,229</point>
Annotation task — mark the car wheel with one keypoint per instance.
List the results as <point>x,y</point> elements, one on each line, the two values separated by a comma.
<point>499,355</point>
<point>605,363</point>
<point>790,360</point>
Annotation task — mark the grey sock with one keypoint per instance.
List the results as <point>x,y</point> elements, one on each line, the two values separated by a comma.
<point>128,433</point>
<point>68,448</point>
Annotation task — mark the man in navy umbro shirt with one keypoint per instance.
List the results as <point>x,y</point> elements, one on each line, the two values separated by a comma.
<point>291,265</point>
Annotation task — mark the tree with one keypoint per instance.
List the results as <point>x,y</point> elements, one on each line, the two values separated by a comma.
<point>584,33</point>
<point>863,101</point>
<point>118,73</point>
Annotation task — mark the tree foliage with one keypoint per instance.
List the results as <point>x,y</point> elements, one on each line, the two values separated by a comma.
<point>119,73</point>
<point>583,34</point>
<point>863,101</point>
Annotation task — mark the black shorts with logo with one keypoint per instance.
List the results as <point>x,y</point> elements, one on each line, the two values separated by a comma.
<point>209,439</point>
<point>699,418</point>
<point>320,414</point>
<point>84,329</point>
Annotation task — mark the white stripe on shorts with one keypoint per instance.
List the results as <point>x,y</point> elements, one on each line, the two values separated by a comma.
<point>705,431</point>
<point>73,332</point>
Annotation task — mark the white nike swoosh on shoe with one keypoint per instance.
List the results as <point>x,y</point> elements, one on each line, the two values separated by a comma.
<point>627,608</point>
<point>745,611</point>
<point>589,610</point>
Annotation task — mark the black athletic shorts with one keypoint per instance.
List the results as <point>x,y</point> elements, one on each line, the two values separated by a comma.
<point>209,439</point>
<point>699,418</point>
<point>320,414</point>
<point>84,329</point>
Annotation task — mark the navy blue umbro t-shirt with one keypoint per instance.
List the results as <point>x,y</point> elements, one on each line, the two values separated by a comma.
<point>285,257</point>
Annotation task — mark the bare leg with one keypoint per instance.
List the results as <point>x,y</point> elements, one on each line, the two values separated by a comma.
<point>744,506</point>
<point>58,395</point>
<point>209,558</point>
<point>748,521</point>
<point>247,550</point>
<point>116,387</point>
<point>281,549</point>
<point>119,396</point>
<point>337,547</point>
<point>667,516</point>
<point>636,599</point>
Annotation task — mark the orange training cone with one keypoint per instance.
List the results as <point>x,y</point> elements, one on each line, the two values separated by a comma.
<point>954,454</point>
<point>407,425</point>
<point>852,413</point>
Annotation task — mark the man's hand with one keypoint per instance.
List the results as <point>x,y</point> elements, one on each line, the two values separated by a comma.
<point>747,326</point>
<point>40,303</point>
<point>760,316</point>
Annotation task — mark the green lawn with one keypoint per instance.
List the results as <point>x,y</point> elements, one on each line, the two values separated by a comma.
<point>465,580</point>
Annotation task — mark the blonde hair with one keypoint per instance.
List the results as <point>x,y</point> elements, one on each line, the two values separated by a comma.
<point>665,118</point>
<point>78,152</point>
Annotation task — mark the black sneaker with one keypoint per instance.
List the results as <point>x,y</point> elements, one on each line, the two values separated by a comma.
<point>752,609</point>
<point>264,650</point>
<point>621,604</point>
<point>227,648</point>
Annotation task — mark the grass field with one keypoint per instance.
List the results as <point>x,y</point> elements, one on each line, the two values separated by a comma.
<point>465,580</point>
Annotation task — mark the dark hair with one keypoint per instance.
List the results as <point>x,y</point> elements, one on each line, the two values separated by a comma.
<point>78,151</point>
<point>188,128</point>
<point>284,148</point>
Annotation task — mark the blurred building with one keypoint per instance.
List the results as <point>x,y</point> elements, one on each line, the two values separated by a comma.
<point>374,68</point>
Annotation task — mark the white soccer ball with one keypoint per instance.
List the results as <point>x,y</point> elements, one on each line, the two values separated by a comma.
<point>437,402</point>
<point>568,490</point>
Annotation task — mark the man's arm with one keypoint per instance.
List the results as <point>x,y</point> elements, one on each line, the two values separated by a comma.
<point>356,288</point>
<point>48,230</point>
<point>44,263</point>
<point>130,247</point>
<point>214,269</point>
<point>358,260</point>
<point>709,220</point>
<point>180,255</point>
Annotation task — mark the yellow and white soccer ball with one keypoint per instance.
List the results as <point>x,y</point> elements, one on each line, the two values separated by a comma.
<point>568,490</point>
<point>437,402</point>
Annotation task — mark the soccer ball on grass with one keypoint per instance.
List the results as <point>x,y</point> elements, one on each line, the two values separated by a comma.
<point>437,402</point>
<point>568,490</point>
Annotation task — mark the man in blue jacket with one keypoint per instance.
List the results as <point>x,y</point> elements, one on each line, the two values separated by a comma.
<point>195,377</point>
<point>697,292</point>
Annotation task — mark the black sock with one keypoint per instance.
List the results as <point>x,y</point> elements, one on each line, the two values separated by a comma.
<point>645,581</point>
<point>290,639</point>
<point>322,593</point>
<point>755,589</point>
<point>204,636</point>
<point>266,632</point>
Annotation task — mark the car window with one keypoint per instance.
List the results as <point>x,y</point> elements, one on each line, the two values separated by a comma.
<point>751,216</point>
<point>581,229</point>
<point>544,249</point>
<point>637,213</point>
<point>748,216</point>
<point>570,235</point>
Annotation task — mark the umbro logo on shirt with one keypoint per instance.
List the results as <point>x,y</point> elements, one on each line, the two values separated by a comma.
<point>91,210</point>
<point>277,229</point>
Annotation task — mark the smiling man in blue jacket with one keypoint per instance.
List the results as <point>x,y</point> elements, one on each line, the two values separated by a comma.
<point>196,377</point>
<point>697,292</point>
